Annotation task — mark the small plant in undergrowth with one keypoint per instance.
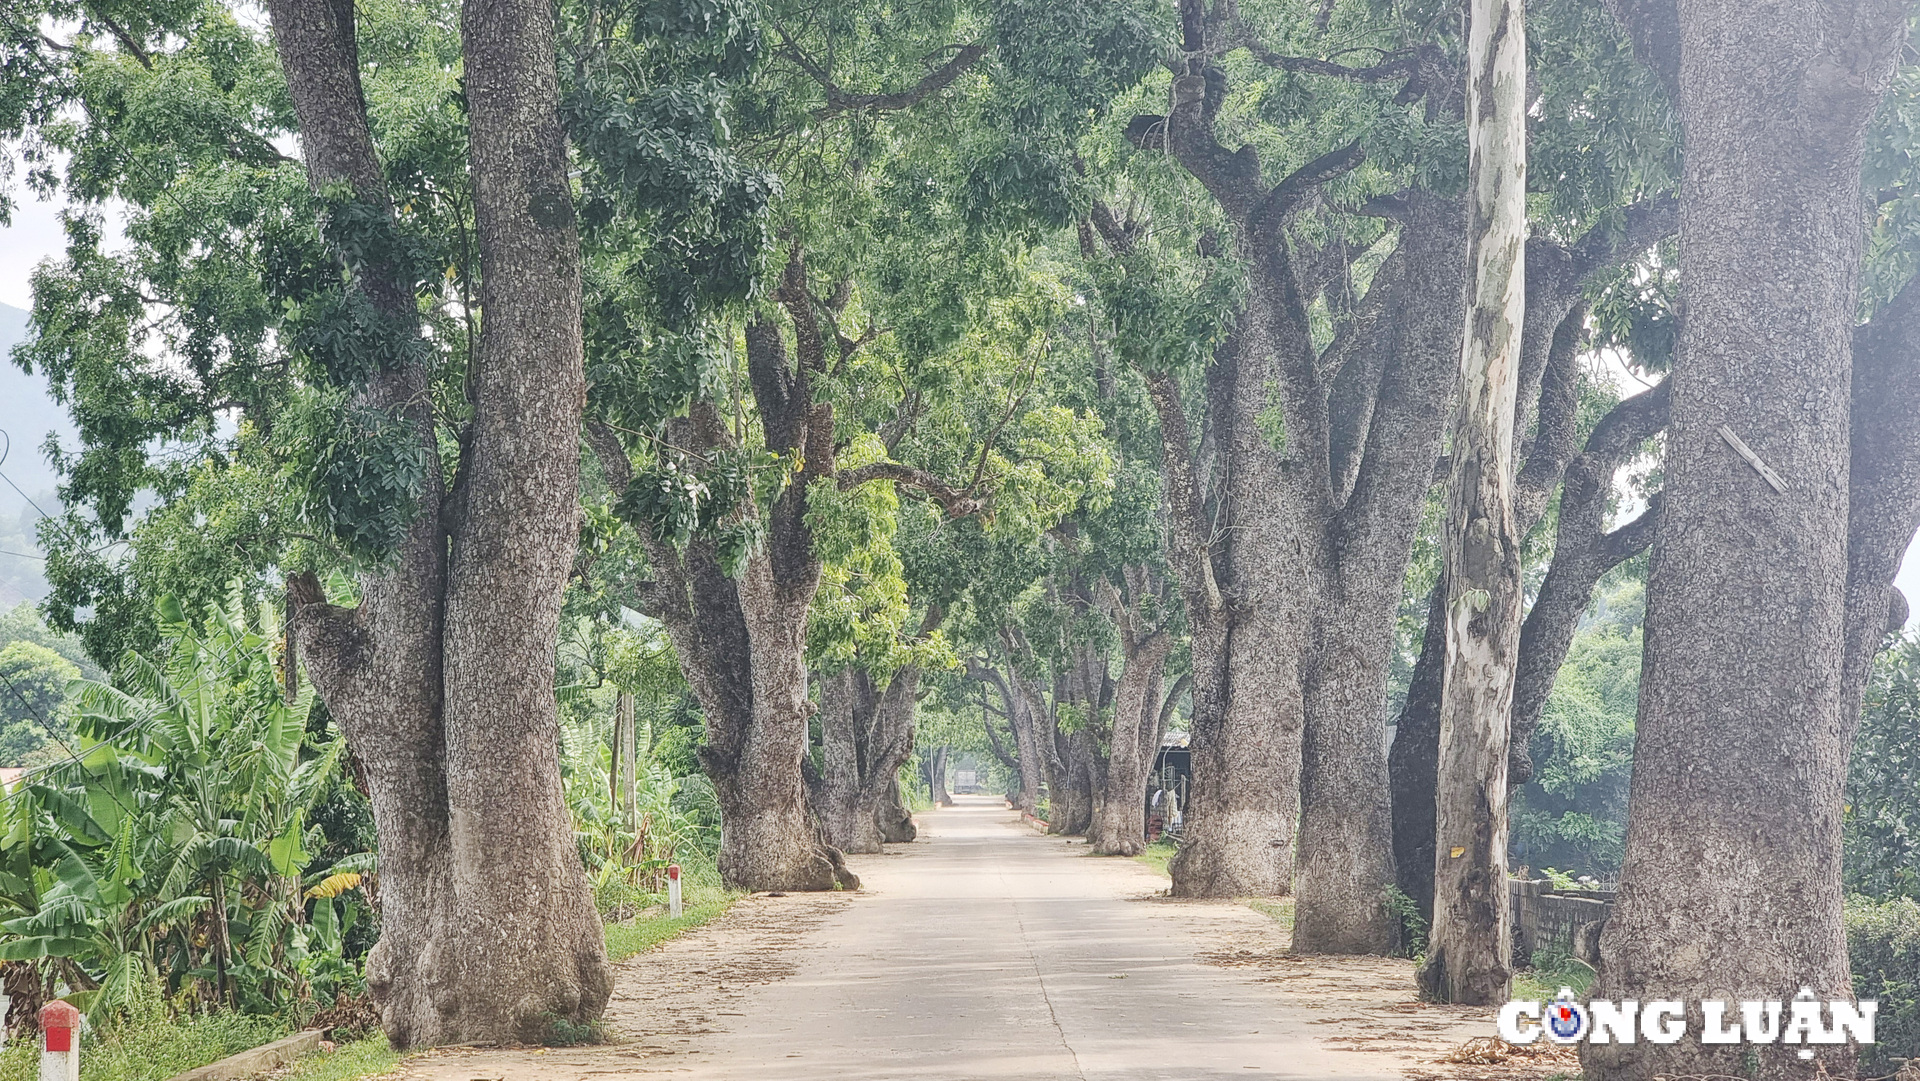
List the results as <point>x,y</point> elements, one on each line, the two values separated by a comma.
<point>1413,926</point>
<point>562,1032</point>
<point>1551,970</point>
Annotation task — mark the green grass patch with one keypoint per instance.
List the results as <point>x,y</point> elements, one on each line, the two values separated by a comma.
<point>351,1061</point>
<point>149,1047</point>
<point>642,933</point>
<point>1279,910</point>
<point>1551,972</point>
<point>1157,855</point>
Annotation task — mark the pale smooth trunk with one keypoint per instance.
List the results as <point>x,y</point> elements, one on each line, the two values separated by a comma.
<point>1469,946</point>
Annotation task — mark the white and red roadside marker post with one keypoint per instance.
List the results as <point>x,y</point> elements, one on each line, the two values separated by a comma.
<point>60,1046</point>
<point>673,890</point>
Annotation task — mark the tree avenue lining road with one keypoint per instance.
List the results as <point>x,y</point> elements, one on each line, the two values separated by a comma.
<point>985,951</point>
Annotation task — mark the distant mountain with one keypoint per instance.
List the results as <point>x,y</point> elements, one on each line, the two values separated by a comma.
<point>28,414</point>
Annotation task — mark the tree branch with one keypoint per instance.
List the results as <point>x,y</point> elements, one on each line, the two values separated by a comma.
<point>127,41</point>
<point>334,642</point>
<point>1400,64</point>
<point>957,502</point>
<point>843,101</point>
<point>1306,181</point>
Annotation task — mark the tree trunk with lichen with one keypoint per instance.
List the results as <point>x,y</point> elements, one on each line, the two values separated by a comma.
<point>488,929</point>
<point>741,640</point>
<point>937,777</point>
<point>1731,886</point>
<point>866,735</point>
<point>1119,826</point>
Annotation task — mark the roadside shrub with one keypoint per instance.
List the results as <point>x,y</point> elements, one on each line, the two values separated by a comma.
<point>1883,948</point>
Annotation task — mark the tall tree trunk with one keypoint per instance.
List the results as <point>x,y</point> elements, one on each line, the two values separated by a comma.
<point>866,734</point>
<point>1070,794</point>
<point>417,693</point>
<point>890,744</point>
<point>767,830</point>
<point>623,776</point>
<point>1027,753</point>
<point>1346,820</point>
<point>1583,550</point>
<point>1119,824</point>
<point>895,819</point>
<point>1884,508</point>
<point>847,703</point>
<point>1345,865</point>
<point>1024,760</point>
<point>741,641</point>
<point>1469,950</point>
<point>528,945</point>
<point>1413,762</point>
<point>1742,851</point>
<point>937,777</point>
<point>1245,732</point>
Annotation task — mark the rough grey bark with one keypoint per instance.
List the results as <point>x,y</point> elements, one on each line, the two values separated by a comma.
<point>379,668</point>
<point>1883,509</point>
<point>896,821</point>
<point>741,641</point>
<point>1246,744</point>
<point>1731,882</point>
<point>1118,826</point>
<point>411,673</point>
<point>1023,759</point>
<point>1073,798</point>
<point>866,735</point>
<point>1281,550</point>
<point>1469,947</point>
<point>844,712</point>
<point>623,775</point>
<point>527,945</point>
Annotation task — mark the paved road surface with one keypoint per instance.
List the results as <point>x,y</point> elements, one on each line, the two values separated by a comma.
<point>985,952</point>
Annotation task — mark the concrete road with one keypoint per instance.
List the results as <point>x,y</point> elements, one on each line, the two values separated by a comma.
<point>987,952</point>
<point>984,951</point>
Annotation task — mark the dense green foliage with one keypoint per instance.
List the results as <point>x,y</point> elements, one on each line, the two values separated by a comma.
<point>1883,946</point>
<point>1573,815</point>
<point>1882,819</point>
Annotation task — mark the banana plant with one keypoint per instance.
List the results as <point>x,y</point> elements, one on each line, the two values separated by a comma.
<point>92,921</point>
<point>212,716</point>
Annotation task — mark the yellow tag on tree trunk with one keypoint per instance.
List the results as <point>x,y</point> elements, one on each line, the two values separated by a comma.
<point>1459,851</point>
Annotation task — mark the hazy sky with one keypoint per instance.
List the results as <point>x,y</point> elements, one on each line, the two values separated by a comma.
<point>36,235</point>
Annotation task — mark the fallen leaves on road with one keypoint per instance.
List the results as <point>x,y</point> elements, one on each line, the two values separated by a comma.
<point>1493,1051</point>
